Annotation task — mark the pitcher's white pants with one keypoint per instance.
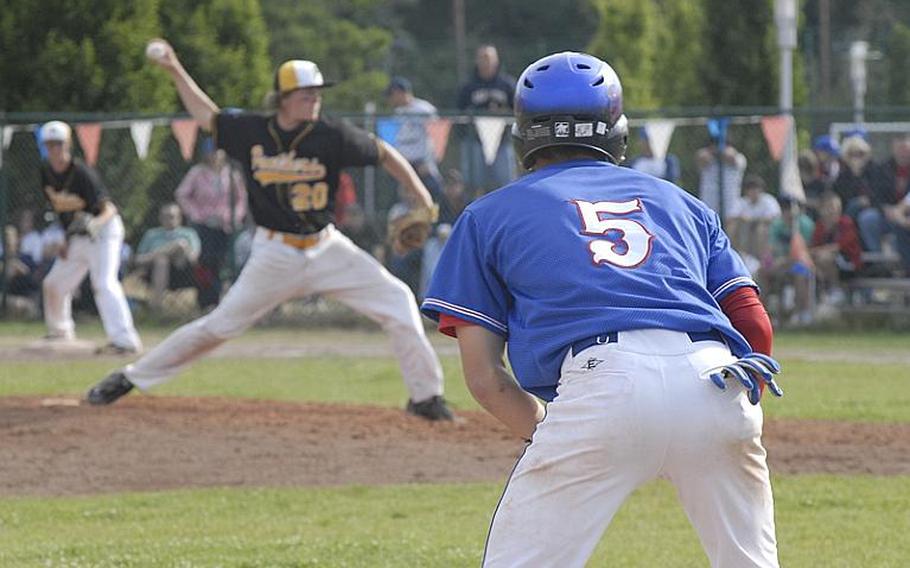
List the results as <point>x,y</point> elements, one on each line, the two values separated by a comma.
<point>100,258</point>
<point>276,272</point>
<point>626,413</point>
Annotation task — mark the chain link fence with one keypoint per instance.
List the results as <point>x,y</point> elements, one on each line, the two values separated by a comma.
<point>141,186</point>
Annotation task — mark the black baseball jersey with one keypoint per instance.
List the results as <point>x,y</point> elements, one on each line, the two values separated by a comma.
<point>292,176</point>
<point>78,188</point>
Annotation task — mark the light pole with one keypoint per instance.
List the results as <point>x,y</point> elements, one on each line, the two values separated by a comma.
<point>785,17</point>
<point>859,53</point>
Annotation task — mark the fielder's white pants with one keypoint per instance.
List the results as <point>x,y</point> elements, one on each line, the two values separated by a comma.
<point>100,258</point>
<point>276,272</point>
<point>626,413</point>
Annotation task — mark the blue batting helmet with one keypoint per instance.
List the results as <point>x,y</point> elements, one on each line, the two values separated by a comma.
<point>569,99</point>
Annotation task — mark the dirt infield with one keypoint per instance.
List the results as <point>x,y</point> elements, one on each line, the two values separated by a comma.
<point>56,447</point>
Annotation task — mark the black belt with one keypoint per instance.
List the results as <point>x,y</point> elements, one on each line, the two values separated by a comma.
<point>613,337</point>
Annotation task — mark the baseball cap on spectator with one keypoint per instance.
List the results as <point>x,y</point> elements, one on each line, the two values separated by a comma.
<point>399,84</point>
<point>55,131</point>
<point>826,143</point>
<point>857,131</point>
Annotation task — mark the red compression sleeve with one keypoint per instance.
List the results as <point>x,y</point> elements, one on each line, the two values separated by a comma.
<point>448,324</point>
<point>748,316</point>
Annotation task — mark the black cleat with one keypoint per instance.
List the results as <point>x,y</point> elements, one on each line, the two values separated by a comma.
<point>110,389</point>
<point>114,349</point>
<point>433,409</point>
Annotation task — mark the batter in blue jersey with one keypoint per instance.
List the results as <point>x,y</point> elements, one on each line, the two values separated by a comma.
<point>623,305</point>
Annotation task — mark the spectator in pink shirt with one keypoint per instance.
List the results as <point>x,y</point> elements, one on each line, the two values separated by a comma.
<point>212,196</point>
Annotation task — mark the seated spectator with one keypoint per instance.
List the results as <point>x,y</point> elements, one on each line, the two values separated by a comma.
<point>453,199</point>
<point>357,227</point>
<point>827,151</point>
<point>788,267</point>
<point>814,182</point>
<point>212,195</point>
<point>405,267</point>
<point>19,270</point>
<point>835,248</point>
<point>899,218</point>
<point>859,185</point>
<point>875,221</point>
<point>30,244</point>
<point>666,168</point>
<point>750,218</point>
<point>166,254</point>
<point>711,160</point>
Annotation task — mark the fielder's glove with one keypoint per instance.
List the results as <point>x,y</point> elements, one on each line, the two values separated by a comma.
<point>411,230</point>
<point>84,225</point>
<point>751,371</point>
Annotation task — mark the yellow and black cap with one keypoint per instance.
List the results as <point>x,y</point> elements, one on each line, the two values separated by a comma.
<point>298,74</point>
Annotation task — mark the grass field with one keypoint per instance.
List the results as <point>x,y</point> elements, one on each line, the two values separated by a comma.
<point>832,521</point>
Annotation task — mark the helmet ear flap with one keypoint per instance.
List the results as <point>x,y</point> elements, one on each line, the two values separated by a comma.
<point>619,140</point>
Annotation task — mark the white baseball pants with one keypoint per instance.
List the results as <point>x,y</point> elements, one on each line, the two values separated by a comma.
<point>100,258</point>
<point>626,413</point>
<point>276,272</point>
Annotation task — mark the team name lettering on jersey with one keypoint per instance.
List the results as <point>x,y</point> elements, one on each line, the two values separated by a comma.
<point>627,243</point>
<point>284,168</point>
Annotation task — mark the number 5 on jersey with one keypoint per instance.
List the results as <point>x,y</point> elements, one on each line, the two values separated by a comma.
<point>626,244</point>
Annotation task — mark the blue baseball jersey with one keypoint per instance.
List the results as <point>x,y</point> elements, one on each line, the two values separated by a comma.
<point>579,249</point>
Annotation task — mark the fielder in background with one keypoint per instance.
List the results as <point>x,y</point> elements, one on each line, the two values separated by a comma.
<point>94,236</point>
<point>292,160</point>
<point>624,306</point>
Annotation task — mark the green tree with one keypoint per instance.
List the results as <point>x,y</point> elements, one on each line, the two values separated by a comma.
<point>739,63</point>
<point>224,46</point>
<point>897,54</point>
<point>337,36</point>
<point>626,38</point>
<point>679,47</point>
<point>78,55</point>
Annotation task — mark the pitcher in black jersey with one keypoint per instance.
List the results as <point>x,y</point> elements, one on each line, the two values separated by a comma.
<point>292,159</point>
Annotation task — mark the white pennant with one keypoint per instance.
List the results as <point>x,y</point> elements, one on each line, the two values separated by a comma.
<point>489,130</point>
<point>659,133</point>
<point>7,136</point>
<point>141,131</point>
<point>791,182</point>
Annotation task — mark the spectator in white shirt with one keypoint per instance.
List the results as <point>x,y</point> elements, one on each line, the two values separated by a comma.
<point>750,219</point>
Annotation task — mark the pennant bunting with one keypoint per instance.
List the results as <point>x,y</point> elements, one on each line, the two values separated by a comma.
<point>7,136</point>
<point>489,130</point>
<point>89,135</point>
<point>776,130</point>
<point>438,131</point>
<point>659,133</point>
<point>185,131</point>
<point>387,129</point>
<point>791,182</point>
<point>141,132</point>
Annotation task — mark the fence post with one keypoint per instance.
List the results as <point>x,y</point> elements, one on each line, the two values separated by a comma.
<point>3,215</point>
<point>369,173</point>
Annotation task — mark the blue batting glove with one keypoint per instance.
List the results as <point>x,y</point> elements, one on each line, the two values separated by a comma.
<point>751,370</point>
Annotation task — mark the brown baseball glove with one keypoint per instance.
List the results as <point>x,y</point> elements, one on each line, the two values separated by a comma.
<point>411,230</point>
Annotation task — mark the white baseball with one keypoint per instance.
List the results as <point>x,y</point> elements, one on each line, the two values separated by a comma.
<point>155,50</point>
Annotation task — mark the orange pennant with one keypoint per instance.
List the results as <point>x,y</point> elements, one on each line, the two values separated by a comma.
<point>185,131</point>
<point>776,130</point>
<point>439,134</point>
<point>90,140</point>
